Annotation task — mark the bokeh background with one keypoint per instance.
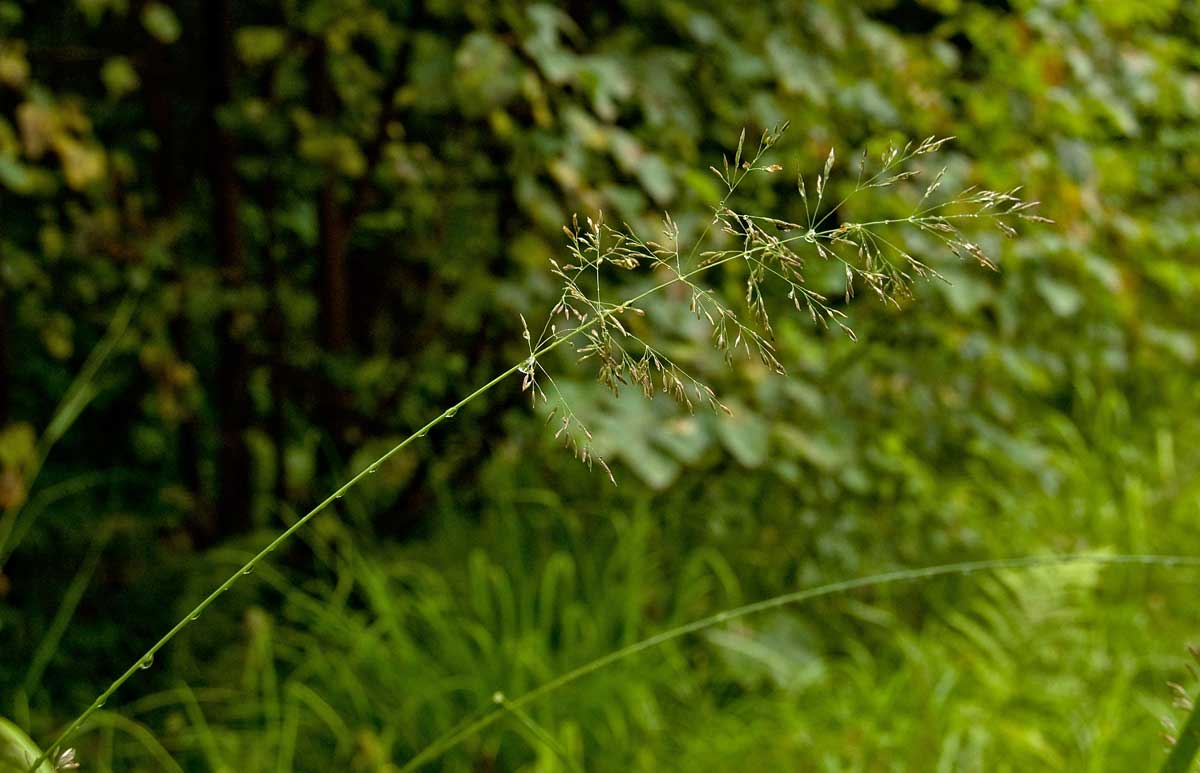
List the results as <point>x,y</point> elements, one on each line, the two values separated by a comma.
<point>247,246</point>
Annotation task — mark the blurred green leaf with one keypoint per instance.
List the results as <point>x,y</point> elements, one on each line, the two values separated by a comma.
<point>161,22</point>
<point>258,45</point>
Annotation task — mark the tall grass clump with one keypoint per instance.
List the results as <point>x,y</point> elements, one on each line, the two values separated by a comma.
<point>608,270</point>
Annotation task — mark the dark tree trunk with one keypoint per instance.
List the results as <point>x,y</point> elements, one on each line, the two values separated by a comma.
<point>5,394</point>
<point>336,223</point>
<point>233,504</point>
<point>277,340</point>
<point>336,220</point>
<point>335,281</point>
<point>158,77</point>
<point>334,287</point>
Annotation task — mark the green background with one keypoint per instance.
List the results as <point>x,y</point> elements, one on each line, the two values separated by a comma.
<point>322,220</point>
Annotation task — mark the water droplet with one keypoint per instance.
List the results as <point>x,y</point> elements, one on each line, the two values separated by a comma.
<point>99,703</point>
<point>247,570</point>
<point>337,496</point>
<point>195,616</point>
<point>450,413</point>
<point>146,662</point>
<point>371,470</point>
<point>422,432</point>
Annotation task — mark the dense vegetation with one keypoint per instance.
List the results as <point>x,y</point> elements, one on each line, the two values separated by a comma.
<point>246,248</point>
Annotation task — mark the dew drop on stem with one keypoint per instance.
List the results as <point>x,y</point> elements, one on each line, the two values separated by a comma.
<point>146,662</point>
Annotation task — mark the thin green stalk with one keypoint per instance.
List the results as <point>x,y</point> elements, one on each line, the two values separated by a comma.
<point>46,497</point>
<point>76,398</point>
<point>540,733</point>
<point>289,729</point>
<point>147,658</point>
<point>62,618</point>
<point>457,736</point>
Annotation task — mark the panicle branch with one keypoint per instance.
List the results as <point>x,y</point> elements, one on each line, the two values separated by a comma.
<point>768,252</point>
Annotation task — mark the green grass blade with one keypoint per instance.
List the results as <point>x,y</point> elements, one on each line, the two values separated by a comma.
<point>1186,745</point>
<point>17,749</point>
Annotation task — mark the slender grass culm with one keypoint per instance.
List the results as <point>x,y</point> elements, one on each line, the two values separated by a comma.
<point>757,250</point>
<point>1179,761</point>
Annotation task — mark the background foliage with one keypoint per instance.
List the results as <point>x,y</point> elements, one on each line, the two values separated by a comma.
<point>319,220</point>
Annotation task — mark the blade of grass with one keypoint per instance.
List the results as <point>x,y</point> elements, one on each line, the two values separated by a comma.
<point>540,733</point>
<point>81,390</point>
<point>62,618</point>
<point>1183,753</point>
<point>17,748</point>
<point>208,742</point>
<point>138,732</point>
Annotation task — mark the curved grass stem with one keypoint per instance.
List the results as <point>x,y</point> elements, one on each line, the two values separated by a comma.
<point>598,319</point>
<point>460,734</point>
<point>284,536</point>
